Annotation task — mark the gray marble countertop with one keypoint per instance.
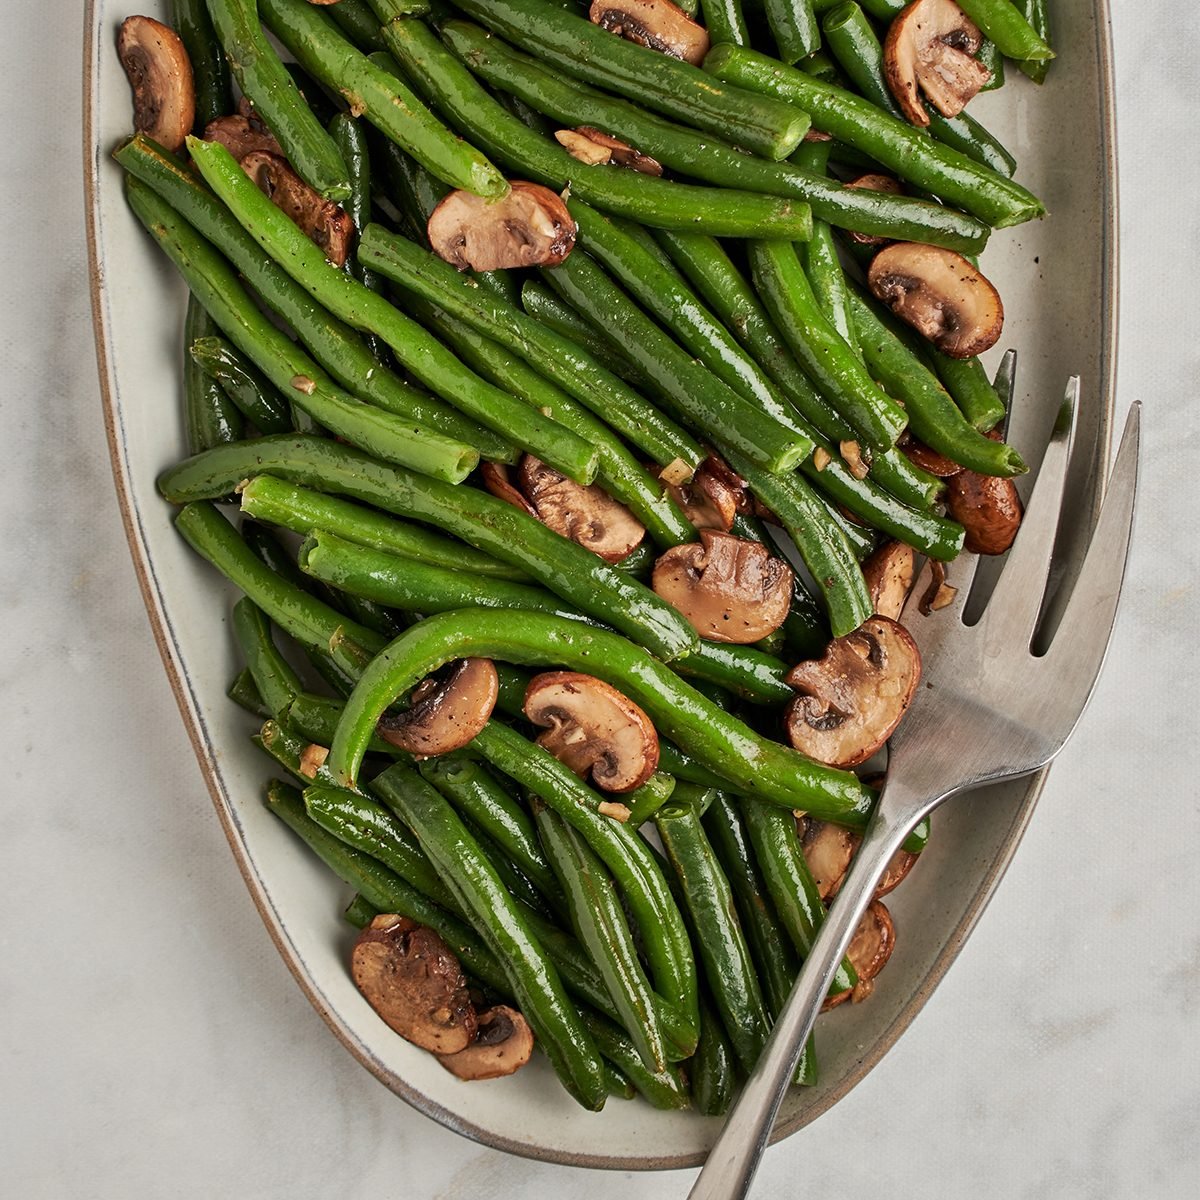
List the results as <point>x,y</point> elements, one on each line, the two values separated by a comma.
<point>152,1041</point>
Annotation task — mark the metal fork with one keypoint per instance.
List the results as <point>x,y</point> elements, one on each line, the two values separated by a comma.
<point>989,707</point>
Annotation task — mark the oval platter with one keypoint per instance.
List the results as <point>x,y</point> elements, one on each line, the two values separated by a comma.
<point>1059,281</point>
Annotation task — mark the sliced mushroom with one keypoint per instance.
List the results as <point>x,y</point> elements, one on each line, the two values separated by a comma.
<point>587,514</point>
<point>940,294</point>
<point>656,24</point>
<point>591,727</point>
<point>928,460</point>
<point>595,147</point>
<point>852,698</point>
<point>870,948</point>
<point>874,183</point>
<point>529,226</point>
<point>329,226</point>
<point>889,573</point>
<point>932,44</point>
<point>409,976</point>
<point>730,589</point>
<point>828,850</point>
<point>241,136</point>
<point>897,870</point>
<point>987,507</point>
<point>160,74</point>
<point>712,497</point>
<point>496,479</point>
<point>503,1044</point>
<point>446,713</point>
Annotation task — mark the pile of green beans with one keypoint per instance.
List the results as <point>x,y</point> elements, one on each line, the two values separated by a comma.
<point>334,420</point>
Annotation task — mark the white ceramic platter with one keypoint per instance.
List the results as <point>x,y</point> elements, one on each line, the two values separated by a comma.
<point>1058,280</point>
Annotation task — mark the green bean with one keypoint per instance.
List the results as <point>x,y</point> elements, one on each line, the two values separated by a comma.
<point>718,936</point>
<point>531,974</point>
<point>571,368</point>
<point>790,883</point>
<point>700,156</point>
<point>360,912</point>
<point>788,296</point>
<point>712,1070</point>
<point>933,416</point>
<point>793,25</point>
<point>454,91</point>
<point>645,801</point>
<point>210,417</point>
<point>600,925</point>
<point>969,387</point>
<point>210,71</point>
<point>470,787</point>
<point>284,364</point>
<point>335,345</point>
<point>708,268</point>
<point>305,511</point>
<point>244,693</point>
<point>291,753</point>
<point>315,718</point>
<point>756,765</point>
<point>384,889</point>
<point>857,48</point>
<point>276,681</point>
<point>903,149</point>
<point>358,23</point>
<point>724,21</point>
<point>673,760</point>
<point>242,383</point>
<point>661,1089</point>
<point>350,300</point>
<point>993,60</point>
<point>388,104</point>
<point>267,85</point>
<point>656,81</point>
<point>620,473</point>
<point>1036,13</point>
<point>1003,23</point>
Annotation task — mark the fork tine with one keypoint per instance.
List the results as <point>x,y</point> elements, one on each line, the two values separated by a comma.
<point>1012,610</point>
<point>1082,638</point>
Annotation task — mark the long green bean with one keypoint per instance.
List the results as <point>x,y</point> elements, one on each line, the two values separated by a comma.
<point>249,391</point>
<point>210,417</point>
<point>210,70</point>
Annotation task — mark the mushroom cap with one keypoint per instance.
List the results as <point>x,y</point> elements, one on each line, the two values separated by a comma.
<point>529,226</point>
<point>241,136</point>
<point>874,183</point>
<point>656,24</point>
<point>446,714</point>
<point>932,44</point>
<point>160,74</point>
<point>712,496</point>
<point>497,480</point>
<point>926,458</point>
<point>586,514</point>
<point>852,698</point>
<point>730,589</point>
<point>591,727</point>
<point>869,950</point>
<point>503,1044</point>
<point>409,976</point>
<point>324,222</point>
<point>940,294</point>
<point>889,573</point>
<point>828,849</point>
<point>987,507</point>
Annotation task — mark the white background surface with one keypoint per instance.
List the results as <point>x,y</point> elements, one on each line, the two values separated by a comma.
<point>152,1043</point>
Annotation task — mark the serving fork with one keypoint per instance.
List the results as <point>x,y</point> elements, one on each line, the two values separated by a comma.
<point>998,699</point>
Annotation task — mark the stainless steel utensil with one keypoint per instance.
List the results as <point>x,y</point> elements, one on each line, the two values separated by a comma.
<point>998,699</point>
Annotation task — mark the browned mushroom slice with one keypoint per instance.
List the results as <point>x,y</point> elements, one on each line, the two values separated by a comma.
<point>712,497</point>
<point>503,1043</point>
<point>446,713</point>
<point>160,74</point>
<point>409,976</point>
<point>932,44</point>
<point>828,850</point>
<point>587,514</point>
<point>852,698</point>
<point>927,459</point>
<point>657,24</point>
<point>870,948</point>
<point>329,226</point>
<point>897,870</point>
<point>729,589</point>
<point>496,479</point>
<point>874,183</point>
<point>529,226</point>
<point>889,574</point>
<point>591,727</point>
<point>241,136</point>
<point>987,507</point>
<point>940,294</point>
<point>594,146</point>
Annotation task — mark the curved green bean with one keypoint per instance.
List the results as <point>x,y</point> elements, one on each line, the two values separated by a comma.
<point>249,391</point>
<point>210,417</point>
<point>1003,23</point>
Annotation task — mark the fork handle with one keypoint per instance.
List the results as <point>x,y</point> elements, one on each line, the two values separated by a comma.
<point>735,1155</point>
